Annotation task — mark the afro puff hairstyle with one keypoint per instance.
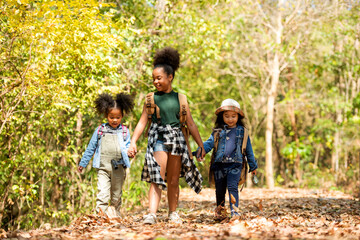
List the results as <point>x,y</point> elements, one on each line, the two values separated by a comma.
<point>167,58</point>
<point>105,102</point>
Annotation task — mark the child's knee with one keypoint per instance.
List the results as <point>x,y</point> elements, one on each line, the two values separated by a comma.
<point>233,188</point>
<point>103,197</point>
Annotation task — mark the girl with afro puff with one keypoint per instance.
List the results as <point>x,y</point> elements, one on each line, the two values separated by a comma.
<point>109,145</point>
<point>167,156</point>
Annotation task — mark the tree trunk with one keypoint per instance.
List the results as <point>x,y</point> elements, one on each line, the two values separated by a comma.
<point>337,141</point>
<point>160,13</point>
<point>270,124</point>
<point>346,156</point>
<point>274,67</point>
<point>359,176</point>
<point>336,150</point>
<point>291,109</point>
<point>5,195</point>
<point>317,154</point>
<point>280,135</point>
<point>42,191</point>
<point>291,112</point>
<point>79,124</point>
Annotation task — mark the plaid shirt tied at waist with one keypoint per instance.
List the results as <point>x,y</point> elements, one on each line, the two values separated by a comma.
<point>174,138</point>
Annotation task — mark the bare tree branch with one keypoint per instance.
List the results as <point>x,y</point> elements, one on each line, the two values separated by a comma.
<point>284,65</point>
<point>294,14</point>
<point>16,101</point>
<point>11,87</point>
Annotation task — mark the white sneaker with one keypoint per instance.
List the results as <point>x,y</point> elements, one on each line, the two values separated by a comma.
<point>149,219</point>
<point>175,218</point>
<point>111,212</point>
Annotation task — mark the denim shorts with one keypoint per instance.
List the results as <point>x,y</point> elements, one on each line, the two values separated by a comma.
<point>161,147</point>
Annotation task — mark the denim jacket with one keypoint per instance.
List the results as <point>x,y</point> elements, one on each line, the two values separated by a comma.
<point>209,145</point>
<point>95,147</point>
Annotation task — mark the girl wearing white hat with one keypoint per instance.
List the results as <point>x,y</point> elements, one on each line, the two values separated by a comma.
<point>228,156</point>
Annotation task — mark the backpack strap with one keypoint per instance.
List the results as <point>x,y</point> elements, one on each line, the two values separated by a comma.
<point>182,117</point>
<point>216,144</point>
<point>101,127</point>
<point>244,143</point>
<point>245,167</point>
<point>124,128</point>
<point>183,103</point>
<point>100,131</point>
<point>150,108</point>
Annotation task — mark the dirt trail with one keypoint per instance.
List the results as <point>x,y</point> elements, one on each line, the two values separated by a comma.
<point>277,214</point>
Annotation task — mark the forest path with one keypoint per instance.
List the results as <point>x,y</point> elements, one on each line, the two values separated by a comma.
<point>266,214</point>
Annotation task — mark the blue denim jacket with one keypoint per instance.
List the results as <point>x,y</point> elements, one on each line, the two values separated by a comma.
<point>95,147</point>
<point>209,145</point>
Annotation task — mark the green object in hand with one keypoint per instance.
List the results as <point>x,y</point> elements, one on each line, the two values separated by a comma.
<point>254,179</point>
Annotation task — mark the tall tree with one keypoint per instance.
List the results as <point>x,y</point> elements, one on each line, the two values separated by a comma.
<point>270,37</point>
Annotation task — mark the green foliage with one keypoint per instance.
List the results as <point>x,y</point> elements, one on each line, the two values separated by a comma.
<point>56,56</point>
<point>315,177</point>
<point>135,190</point>
<point>293,149</point>
<point>356,102</point>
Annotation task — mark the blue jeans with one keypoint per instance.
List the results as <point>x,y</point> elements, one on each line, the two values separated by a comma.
<point>227,176</point>
<point>161,147</point>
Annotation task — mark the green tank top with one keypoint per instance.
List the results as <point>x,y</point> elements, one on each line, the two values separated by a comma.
<point>169,108</point>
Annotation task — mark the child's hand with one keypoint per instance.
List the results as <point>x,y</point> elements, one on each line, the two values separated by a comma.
<point>80,168</point>
<point>203,153</point>
<point>132,150</point>
<point>200,154</point>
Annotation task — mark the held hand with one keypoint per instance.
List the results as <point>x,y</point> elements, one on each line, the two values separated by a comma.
<point>80,168</point>
<point>132,150</point>
<point>254,178</point>
<point>200,154</point>
<point>203,153</point>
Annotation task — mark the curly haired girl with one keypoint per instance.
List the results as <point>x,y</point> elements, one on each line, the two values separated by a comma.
<point>109,145</point>
<point>167,155</point>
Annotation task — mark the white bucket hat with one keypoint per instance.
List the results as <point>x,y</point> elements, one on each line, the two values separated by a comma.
<point>229,105</point>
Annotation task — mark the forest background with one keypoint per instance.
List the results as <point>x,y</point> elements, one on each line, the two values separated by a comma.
<point>294,66</point>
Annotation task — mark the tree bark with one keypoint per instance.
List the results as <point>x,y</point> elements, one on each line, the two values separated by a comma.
<point>5,195</point>
<point>270,123</point>
<point>336,151</point>
<point>317,154</point>
<point>337,141</point>
<point>359,176</point>
<point>279,135</point>
<point>79,124</point>
<point>291,111</point>
<point>275,74</point>
<point>160,12</point>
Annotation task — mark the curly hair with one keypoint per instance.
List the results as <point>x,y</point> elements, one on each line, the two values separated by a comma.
<point>105,102</point>
<point>219,123</point>
<point>124,102</point>
<point>167,58</point>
